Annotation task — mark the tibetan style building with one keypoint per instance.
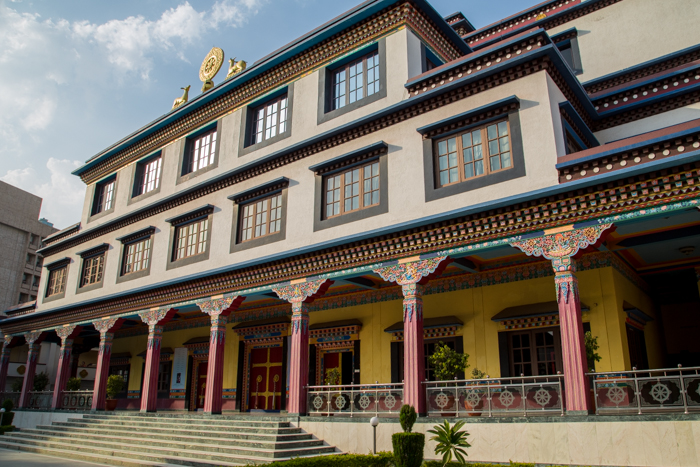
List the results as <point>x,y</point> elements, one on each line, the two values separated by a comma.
<point>295,241</point>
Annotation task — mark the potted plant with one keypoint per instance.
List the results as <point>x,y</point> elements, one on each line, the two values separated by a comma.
<point>73,384</point>
<point>115,384</point>
<point>447,364</point>
<point>41,380</point>
<point>408,447</point>
<point>332,379</point>
<point>17,385</point>
<point>450,441</point>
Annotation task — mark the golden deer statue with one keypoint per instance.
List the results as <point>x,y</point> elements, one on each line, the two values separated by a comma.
<point>235,67</point>
<point>181,100</point>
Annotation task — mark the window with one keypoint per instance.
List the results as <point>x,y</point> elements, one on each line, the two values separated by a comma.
<point>355,81</point>
<point>136,256</point>
<point>535,353</point>
<point>104,197</point>
<point>351,190</point>
<point>39,262</point>
<point>123,371</point>
<point>56,282</point>
<point>572,145</point>
<point>269,120</point>
<point>92,270</point>
<point>148,176</point>
<point>260,218</point>
<point>474,153</point>
<point>25,278</point>
<point>164,370</point>
<point>202,152</point>
<point>191,239</point>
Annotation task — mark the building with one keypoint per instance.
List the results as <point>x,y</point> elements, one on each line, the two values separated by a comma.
<point>392,180</point>
<point>22,234</point>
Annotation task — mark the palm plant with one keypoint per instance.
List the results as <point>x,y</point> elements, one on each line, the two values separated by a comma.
<point>450,442</point>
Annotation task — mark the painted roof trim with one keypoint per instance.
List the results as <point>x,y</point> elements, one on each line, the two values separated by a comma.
<point>282,181</point>
<point>470,113</point>
<point>571,111</point>
<point>75,226</point>
<point>349,155</point>
<point>304,42</point>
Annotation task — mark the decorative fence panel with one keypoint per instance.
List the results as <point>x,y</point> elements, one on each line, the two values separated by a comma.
<point>355,399</point>
<point>496,396</point>
<point>13,396</point>
<point>40,399</point>
<point>76,400</point>
<point>647,391</point>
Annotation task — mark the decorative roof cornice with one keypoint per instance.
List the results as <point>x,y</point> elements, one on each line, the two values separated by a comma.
<point>260,190</point>
<point>367,23</point>
<point>61,234</point>
<point>139,234</point>
<point>93,250</point>
<point>191,215</point>
<point>350,158</point>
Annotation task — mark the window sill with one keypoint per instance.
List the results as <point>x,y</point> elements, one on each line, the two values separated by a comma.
<point>187,261</point>
<point>141,197</point>
<point>88,288</point>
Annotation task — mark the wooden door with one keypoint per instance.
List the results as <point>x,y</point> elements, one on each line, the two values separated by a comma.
<point>201,383</point>
<point>265,386</point>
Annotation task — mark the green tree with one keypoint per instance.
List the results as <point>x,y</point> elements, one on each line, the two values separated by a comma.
<point>450,441</point>
<point>73,384</point>
<point>448,363</point>
<point>115,383</point>
<point>591,346</point>
<point>41,380</point>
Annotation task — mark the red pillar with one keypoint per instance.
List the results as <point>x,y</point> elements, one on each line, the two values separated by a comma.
<point>4,362</point>
<point>573,345</point>
<point>149,396</point>
<point>66,333</point>
<point>106,327</point>
<point>414,351</point>
<point>33,341</point>
<point>299,366</point>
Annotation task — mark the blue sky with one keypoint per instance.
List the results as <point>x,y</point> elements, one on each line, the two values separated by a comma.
<point>78,75</point>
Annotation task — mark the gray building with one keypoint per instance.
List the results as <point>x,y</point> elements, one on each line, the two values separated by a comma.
<point>21,234</point>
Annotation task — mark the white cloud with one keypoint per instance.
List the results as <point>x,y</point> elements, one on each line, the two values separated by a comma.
<point>18,177</point>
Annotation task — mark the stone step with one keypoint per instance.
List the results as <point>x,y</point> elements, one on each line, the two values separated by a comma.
<point>193,444</point>
<point>149,452</point>
<point>170,427</point>
<point>208,420</point>
<point>184,435</point>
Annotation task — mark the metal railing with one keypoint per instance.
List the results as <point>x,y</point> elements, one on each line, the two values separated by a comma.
<point>355,399</point>
<point>12,395</point>
<point>517,396</point>
<point>647,391</point>
<point>76,400</point>
<point>40,400</point>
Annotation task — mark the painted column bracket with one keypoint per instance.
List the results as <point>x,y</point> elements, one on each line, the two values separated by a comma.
<point>33,339</point>
<point>218,309</point>
<point>300,294</point>
<point>155,318</point>
<point>67,334</point>
<point>560,246</point>
<point>412,276</point>
<point>106,327</point>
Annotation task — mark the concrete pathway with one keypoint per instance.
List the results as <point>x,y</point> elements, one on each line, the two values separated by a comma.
<point>27,459</point>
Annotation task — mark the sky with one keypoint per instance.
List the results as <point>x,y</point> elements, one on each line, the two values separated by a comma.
<point>78,75</point>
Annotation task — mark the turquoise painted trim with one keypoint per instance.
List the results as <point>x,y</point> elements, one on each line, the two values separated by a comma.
<point>572,113</point>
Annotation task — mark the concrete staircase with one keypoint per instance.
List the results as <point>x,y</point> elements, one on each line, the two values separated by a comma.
<point>162,439</point>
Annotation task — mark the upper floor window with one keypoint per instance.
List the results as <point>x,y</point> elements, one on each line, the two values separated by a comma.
<point>355,80</point>
<point>202,152</point>
<point>57,281</point>
<point>136,256</point>
<point>104,196</point>
<point>148,176</point>
<point>262,217</point>
<point>474,153</point>
<point>191,239</point>
<point>269,120</point>
<point>92,270</point>
<point>351,190</point>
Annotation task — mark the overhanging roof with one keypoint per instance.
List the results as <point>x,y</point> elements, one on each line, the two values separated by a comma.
<point>429,323</point>
<point>531,310</point>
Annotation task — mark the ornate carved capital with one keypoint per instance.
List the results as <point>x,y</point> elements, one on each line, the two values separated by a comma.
<point>302,292</point>
<point>216,306</point>
<point>106,325</point>
<point>410,272</point>
<point>68,332</point>
<point>560,247</point>
<point>156,316</point>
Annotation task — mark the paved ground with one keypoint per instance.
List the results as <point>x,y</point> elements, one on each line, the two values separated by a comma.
<point>10,458</point>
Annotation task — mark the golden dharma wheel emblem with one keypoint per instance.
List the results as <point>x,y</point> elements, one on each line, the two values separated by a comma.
<point>211,64</point>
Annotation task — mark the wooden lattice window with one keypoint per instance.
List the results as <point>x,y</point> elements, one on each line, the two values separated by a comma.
<point>149,176</point>
<point>202,151</point>
<point>353,189</point>
<point>269,120</point>
<point>57,282</point>
<point>355,80</point>
<point>260,218</point>
<point>136,256</point>
<point>104,197</point>
<point>191,239</point>
<point>92,270</point>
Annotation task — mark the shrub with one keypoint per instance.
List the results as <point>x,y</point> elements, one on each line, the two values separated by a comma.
<point>448,363</point>
<point>17,385</point>
<point>591,346</point>
<point>41,380</point>
<point>115,384</point>
<point>6,428</point>
<point>9,415</point>
<point>476,464</point>
<point>450,442</point>
<point>74,384</point>
<point>333,376</point>
<point>382,459</point>
<point>8,405</point>
<point>407,417</point>
<point>408,449</point>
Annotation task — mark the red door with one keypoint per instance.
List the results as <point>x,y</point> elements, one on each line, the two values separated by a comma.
<point>265,386</point>
<point>331,361</point>
<point>201,383</point>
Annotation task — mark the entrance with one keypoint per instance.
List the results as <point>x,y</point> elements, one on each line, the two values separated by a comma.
<point>201,383</point>
<point>340,360</point>
<point>265,384</point>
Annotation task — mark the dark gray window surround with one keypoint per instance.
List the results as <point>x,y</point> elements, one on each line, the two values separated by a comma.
<point>248,114</point>
<point>273,187</point>
<point>185,150</point>
<point>93,217</point>
<point>87,254</point>
<point>325,84</point>
<point>574,55</point>
<point>433,192</point>
<point>427,54</point>
<point>58,264</point>
<point>138,173</point>
<point>195,215</point>
<point>127,240</point>
<point>377,151</point>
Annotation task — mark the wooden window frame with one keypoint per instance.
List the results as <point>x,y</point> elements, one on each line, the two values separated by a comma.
<point>486,153</point>
<point>284,98</point>
<point>104,203</point>
<point>192,147</point>
<point>533,349</point>
<point>342,188</point>
<point>346,70</point>
<point>162,380</point>
<point>51,286</point>
<point>98,275</point>
<point>254,216</point>
<point>176,241</point>
<point>144,174</point>
<point>145,260</point>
